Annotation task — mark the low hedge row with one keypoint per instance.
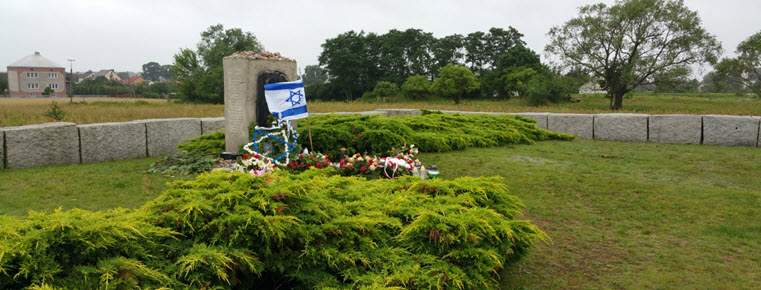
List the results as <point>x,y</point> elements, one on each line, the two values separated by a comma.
<point>310,230</point>
<point>431,132</point>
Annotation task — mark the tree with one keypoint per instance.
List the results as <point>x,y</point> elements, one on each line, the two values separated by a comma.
<point>516,79</point>
<point>746,68</point>
<point>346,59</point>
<point>216,43</point>
<point>314,74</point>
<point>416,87</point>
<point>3,86</point>
<point>626,44</point>
<point>47,91</point>
<point>454,81</point>
<point>446,50</point>
<point>205,65</point>
<point>383,92</point>
<point>188,72</point>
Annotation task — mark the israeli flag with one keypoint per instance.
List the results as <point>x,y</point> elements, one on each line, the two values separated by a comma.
<point>287,101</point>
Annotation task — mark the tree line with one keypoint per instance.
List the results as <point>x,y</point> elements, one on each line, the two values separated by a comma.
<point>632,45</point>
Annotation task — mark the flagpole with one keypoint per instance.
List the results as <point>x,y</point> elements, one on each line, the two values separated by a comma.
<point>310,134</point>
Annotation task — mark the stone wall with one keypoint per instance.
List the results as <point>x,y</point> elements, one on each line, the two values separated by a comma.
<point>67,143</point>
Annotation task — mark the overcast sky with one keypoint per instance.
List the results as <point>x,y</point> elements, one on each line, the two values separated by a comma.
<point>125,34</point>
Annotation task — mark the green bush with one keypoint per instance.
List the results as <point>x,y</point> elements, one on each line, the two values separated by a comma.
<point>430,132</point>
<point>543,89</point>
<point>207,143</point>
<point>55,112</point>
<point>184,162</point>
<point>311,230</point>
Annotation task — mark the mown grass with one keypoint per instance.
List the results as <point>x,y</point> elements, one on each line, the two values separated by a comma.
<point>25,111</point>
<point>620,215</point>
<point>94,186</point>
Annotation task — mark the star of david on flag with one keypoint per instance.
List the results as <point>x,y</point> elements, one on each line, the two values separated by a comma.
<point>286,101</point>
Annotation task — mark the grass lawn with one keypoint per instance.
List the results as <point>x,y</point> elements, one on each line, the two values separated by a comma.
<point>26,111</point>
<point>94,186</point>
<point>620,215</point>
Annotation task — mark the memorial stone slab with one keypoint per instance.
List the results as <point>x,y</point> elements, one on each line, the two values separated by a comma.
<point>581,125</point>
<point>675,129</point>
<point>541,119</point>
<point>621,127</point>
<point>242,72</point>
<point>162,135</point>
<point>41,145</point>
<point>112,141</point>
<point>211,125</point>
<point>730,130</point>
<point>401,112</point>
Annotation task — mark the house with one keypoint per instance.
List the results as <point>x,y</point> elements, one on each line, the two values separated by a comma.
<point>591,87</point>
<point>29,76</point>
<point>108,73</point>
<point>133,80</point>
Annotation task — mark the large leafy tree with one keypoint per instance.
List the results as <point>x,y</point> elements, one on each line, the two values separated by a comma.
<point>454,81</point>
<point>348,62</point>
<point>217,42</point>
<point>314,74</point>
<point>627,44</point>
<point>188,71</point>
<point>153,71</point>
<point>199,73</point>
<point>746,67</point>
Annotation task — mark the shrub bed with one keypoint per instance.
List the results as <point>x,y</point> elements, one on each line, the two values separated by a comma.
<point>431,132</point>
<point>310,230</point>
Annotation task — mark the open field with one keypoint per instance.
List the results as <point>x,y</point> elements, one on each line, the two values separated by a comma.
<point>26,111</point>
<point>620,215</point>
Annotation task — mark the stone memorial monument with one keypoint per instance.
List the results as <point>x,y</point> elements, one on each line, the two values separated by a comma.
<point>245,74</point>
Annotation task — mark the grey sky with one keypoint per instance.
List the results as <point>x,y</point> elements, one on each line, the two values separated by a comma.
<point>124,35</point>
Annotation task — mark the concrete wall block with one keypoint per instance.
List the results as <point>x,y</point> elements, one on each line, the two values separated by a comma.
<point>112,141</point>
<point>621,127</point>
<point>211,125</point>
<point>475,113</point>
<point>675,129</point>
<point>541,118</point>
<point>581,125</point>
<point>163,134</point>
<point>42,145</point>
<point>730,130</point>
<point>2,148</point>
<point>401,112</point>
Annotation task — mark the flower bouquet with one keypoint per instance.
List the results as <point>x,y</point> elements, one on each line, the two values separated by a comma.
<point>255,164</point>
<point>308,160</point>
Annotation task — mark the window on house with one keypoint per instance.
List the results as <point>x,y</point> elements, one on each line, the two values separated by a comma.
<point>53,75</point>
<point>53,86</point>
<point>31,95</point>
<point>31,75</point>
<point>32,86</point>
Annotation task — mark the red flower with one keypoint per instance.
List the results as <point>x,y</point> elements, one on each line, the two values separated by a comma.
<point>245,156</point>
<point>301,156</point>
<point>410,161</point>
<point>318,165</point>
<point>311,157</point>
<point>371,161</point>
<point>363,169</point>
<point>325,156</point>
<point>256,156</point>
<point>350,165</point>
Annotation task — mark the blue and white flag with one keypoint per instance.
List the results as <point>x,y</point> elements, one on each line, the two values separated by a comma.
<point>287,101</point>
